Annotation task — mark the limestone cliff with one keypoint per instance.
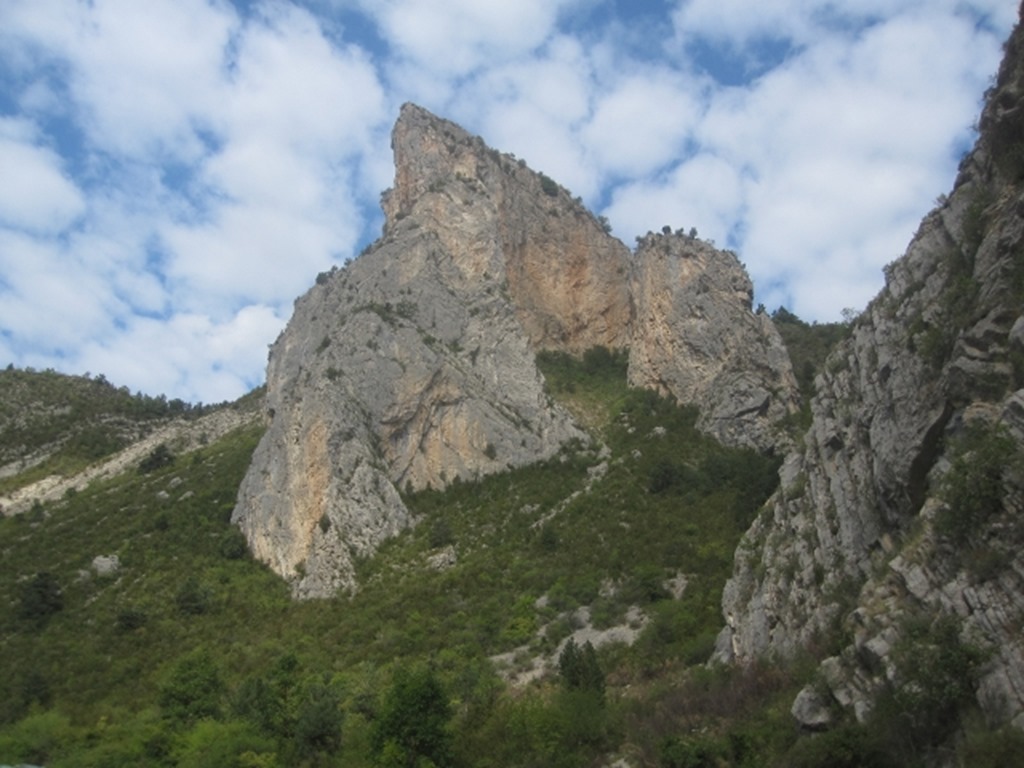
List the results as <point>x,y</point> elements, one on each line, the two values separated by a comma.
<point>564,275</point>
<point>871,524</point>
<point>697,338</point>
<point>415,364</point>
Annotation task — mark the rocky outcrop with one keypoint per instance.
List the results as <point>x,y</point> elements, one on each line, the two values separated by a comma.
<point>415,364</point>
<point>181,435</point>
<point>565,276</point>
<point>696,338</point>
<point>854,540</point>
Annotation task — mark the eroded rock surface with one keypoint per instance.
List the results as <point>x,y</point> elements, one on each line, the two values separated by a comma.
<point>697,338</point>
<point>415,364</point>
<point>849,542</point>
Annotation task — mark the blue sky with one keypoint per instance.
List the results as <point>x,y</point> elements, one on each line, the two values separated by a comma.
<point>174,173</point>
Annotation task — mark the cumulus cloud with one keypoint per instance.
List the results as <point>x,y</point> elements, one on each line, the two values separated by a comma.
<point>642,120</point>
<point>141,76</point>
<point>199,360</point>
<point>455,37</point>
<point>40,277</point>
<point>176,172</point>
<point>704,192</point>
<point>221,157</point>
<point>37,195</point>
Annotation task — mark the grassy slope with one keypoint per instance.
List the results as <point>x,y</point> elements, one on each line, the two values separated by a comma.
<point>89,686</point>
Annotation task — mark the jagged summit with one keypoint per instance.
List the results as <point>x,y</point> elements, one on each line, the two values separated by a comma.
<point>415,364</point>
<point>502,222</point>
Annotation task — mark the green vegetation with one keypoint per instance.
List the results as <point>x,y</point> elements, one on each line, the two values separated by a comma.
<point>975,490</point>
<point>549,186</point>
<point>69,422</point>
<point>593,387</point>
<point>192,654</point>
<point>809,344</point>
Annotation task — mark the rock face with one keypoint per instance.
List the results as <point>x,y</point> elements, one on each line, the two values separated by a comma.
<point>858,537</point>
<point>415,364</point>
<point>697,338</point>
<point>504,224</point>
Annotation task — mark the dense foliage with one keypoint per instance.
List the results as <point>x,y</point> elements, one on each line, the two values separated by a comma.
<point>191,654</point>
<point>808,345</point>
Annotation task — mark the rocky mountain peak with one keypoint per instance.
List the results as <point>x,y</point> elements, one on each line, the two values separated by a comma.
<point>415,365</point>
<point>502,222</point>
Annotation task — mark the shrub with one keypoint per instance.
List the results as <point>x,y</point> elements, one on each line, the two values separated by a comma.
<point>194,689</point>
<point>130,619</point>
<point>413,723</point>
<point>192,598</point>
<point>691,752</point>
<point>992,749</point>
<point>937,674</point>
<point>440,534</point>
<point>580,670</point>
<point>158,458</point>
<point>233,545</point>
<point>848,746</point>
<point>973,488</point>
<point>40,597</point>
<point>318,722</point>
<point>210,744</point>
<point>37,739</point>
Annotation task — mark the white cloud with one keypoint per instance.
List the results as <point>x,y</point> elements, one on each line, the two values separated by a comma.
<point>249,253</point>
<point>704,192</point>
<point>189,354</point>
<point>642,122</point>
<point>845,141</point>
<point>262,124</point>
<point>36,194</point>
<point>804,22</point>
<point>454,37</point>
<point>184,168</point>
<point>279,192</point>
<point>51,301</point>
<point>142,75</point>
<point>289,82</point>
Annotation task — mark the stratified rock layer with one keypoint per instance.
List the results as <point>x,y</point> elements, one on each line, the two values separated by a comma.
<point>849,539</point>
<point>696,338</point>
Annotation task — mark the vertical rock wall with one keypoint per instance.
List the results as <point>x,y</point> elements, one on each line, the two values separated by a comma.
<point>697,338</point>
<point>849,543</point>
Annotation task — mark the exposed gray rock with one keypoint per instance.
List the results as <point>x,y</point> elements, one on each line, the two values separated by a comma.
<point>106,565</point>
<point>811,710</point>
<point>443,560</point>
<point>697,338</point>
<point>415,364</point>
<point>849,537</point>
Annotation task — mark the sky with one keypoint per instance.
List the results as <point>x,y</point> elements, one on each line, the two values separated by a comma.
<point>174,173</point>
